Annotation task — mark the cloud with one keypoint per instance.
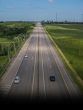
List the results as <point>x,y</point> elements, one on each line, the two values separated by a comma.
<point>50,1</point>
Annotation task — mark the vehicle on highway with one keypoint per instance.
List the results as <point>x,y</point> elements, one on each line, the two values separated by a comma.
<point>17,80</point>
<point>26,56</point>
<point>52,78</point>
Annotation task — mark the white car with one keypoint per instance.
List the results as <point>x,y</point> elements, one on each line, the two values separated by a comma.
<point>17,80</point>
<point>26,56</point>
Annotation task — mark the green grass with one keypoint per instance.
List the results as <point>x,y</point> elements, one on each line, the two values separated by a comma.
<point>3,59</point>
<point>4,40</point>
<point>69,38</point>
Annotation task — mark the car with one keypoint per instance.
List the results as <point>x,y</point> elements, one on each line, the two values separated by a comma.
<point>26,56</point>
<point>52,78</point>
<point>17,80</point>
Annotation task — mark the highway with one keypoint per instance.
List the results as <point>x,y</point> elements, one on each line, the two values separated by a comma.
<point>35,70</point>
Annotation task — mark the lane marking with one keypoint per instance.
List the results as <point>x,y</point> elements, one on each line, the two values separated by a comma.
<point>34,68</point>
<point>40,29</point>
<point>43,73</point>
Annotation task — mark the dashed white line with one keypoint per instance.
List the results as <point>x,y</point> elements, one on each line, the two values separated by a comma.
<point>34,71</point>
<point>43,74</point>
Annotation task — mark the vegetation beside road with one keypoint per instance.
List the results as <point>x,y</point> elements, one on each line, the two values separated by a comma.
<point>69,38</point>
<point>12,37</point>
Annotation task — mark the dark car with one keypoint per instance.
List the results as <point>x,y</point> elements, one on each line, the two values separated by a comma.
<point>52,78</point>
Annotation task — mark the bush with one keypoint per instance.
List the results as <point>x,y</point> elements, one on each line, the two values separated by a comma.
<point>3,50</point>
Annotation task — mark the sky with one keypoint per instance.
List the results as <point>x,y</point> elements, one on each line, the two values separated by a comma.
<point>37,10</point>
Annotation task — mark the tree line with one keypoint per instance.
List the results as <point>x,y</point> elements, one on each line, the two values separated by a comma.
<point>60,22</point>
<point>10,32</point>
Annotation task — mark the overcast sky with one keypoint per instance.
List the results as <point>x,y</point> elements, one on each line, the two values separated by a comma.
<point>41,10</point>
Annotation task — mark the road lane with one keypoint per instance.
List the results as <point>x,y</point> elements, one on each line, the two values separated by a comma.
<point>42,88</point>
<point>34,91</point>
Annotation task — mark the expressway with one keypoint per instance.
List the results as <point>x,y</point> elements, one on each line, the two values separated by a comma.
<point>35,70</point>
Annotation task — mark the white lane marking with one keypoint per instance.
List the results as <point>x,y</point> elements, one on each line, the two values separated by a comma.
<point>43,73</point>
<point>34,69</point>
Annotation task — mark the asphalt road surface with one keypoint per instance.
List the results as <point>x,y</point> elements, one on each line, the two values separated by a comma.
<point>35,70</point>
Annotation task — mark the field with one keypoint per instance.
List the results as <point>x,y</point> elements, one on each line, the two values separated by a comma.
<point>69,38</point>
<point>12,37</point>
